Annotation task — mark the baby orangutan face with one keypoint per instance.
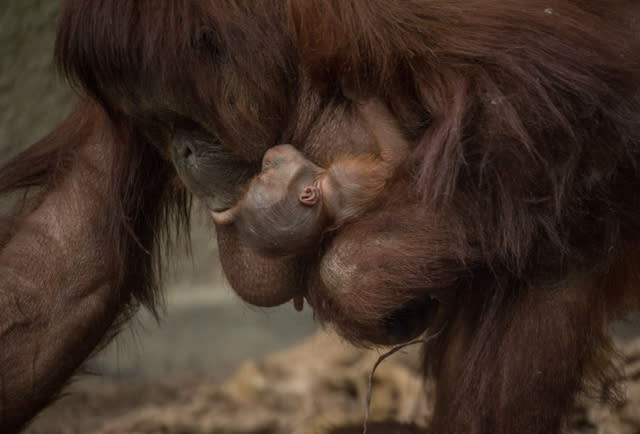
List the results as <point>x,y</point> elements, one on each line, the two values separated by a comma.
<point>281,212</point>
<point>286,174</point>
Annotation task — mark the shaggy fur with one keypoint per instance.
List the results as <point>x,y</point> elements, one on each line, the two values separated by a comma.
<point>517,210</point>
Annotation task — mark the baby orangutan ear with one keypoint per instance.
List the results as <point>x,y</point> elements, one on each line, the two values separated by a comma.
<point>310,195</point>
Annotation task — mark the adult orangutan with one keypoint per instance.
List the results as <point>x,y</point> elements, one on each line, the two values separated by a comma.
<point>516,211</point>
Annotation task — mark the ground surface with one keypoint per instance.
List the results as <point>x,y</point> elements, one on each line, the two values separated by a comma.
<point>304,390</point>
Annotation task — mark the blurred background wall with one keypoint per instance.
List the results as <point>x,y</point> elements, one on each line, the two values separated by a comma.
<point>205,328</point>
<point>32,98</point>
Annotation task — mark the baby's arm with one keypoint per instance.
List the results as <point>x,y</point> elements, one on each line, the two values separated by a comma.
<point>352,184</point>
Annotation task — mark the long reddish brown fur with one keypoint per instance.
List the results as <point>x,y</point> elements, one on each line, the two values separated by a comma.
<point>522,193</point>
<point>529,159</point>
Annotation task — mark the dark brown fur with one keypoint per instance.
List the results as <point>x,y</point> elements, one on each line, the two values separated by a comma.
<point>518,210</point>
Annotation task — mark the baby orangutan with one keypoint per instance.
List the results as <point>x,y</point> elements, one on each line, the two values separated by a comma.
<point>292,201</point>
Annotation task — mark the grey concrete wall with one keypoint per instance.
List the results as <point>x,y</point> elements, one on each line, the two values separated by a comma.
<point>33,98</point>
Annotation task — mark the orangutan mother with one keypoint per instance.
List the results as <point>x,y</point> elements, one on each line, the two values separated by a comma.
<point>512,227</point>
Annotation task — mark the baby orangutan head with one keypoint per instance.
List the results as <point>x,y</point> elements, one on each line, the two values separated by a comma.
<point>282,212</point>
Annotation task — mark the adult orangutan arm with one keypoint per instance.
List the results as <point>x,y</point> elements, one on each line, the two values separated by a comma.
<point>56,301</point>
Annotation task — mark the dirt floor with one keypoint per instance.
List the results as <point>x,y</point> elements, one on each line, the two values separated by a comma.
<point>318,384</point>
